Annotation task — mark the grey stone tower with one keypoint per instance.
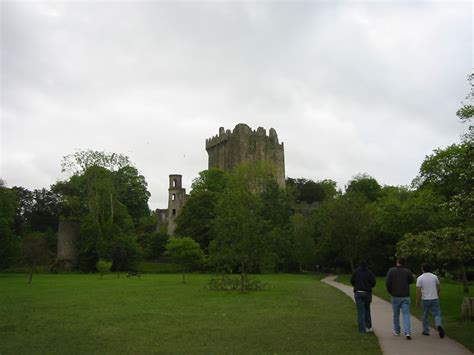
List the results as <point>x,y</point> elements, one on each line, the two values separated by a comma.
<point>231,148</point>
<point>68,236</point>
<point>176,199</point>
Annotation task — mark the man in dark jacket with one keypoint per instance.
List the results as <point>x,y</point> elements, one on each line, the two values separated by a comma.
<point>363,281</point>
<point>398,283</point>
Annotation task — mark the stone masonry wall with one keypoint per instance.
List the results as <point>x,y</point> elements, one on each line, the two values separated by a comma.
<point>231,148</point>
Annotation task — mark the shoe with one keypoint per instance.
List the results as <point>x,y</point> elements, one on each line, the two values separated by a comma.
<point>369,330</point>
<point>441,331</point>
<point>425,333</point>
<point>395,333</point>
<point>408,336</point>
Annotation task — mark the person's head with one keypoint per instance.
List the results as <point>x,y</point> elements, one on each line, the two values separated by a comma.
<point>400,261</point>
<point>363,264</point>
<point>425,267</point>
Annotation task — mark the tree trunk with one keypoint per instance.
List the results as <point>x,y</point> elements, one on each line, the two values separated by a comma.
<point>351,261</point>
<point>32,271</point>
<point>464,278</point>
<point>111,209</point>
<point>242,278</point>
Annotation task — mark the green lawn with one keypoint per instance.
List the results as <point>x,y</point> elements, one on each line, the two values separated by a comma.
<point>451,296</point>
<point>156,313</point>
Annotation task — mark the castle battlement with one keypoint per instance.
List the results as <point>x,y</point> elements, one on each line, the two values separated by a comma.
<point>242,130</point>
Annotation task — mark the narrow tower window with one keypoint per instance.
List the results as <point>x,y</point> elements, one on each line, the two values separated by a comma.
<point>174,212</point>
<point>174,182</point>
<point>173,197</point>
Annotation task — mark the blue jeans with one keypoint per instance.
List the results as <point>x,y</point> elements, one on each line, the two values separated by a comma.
<point>435,309</point>
<point>402,303</point>
<point>362,300</point>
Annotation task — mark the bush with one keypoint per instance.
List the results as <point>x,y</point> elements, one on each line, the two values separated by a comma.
<point>228,282</point>
<point>103,267</point>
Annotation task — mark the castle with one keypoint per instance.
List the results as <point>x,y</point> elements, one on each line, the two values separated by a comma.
<point>227,150</point>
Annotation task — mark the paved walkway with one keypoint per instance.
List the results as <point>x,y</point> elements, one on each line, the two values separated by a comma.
<point>381,311</point>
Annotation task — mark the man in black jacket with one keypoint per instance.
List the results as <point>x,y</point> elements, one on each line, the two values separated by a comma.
<point>398,283</point>
<point>363,281</point>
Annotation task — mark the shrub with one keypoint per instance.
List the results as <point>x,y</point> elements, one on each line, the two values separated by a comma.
<point>103,267</point>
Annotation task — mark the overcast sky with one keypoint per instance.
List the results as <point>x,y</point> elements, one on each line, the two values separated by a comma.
<point>350,88</point>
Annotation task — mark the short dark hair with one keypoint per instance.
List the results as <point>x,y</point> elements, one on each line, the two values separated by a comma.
<point>363,264</point>
<point>426,267</point>
<point>401,260</point>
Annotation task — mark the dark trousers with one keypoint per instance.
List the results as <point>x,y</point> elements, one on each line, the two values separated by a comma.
<point>363,300</point>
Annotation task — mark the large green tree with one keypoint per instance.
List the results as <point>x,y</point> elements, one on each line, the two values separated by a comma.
<point>342,229</point>
<point>109,197</point>
<point>451,248</point>
<point>241,233</point>
<point>197,216</point>
<point>9,242</point>
<point>449,172</point>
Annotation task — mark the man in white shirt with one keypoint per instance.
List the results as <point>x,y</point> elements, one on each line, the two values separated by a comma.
<point>427,289</point>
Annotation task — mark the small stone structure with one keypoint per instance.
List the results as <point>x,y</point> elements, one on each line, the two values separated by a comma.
<point>68,236</point>
<point>231,148</point>
<point>176,200</point>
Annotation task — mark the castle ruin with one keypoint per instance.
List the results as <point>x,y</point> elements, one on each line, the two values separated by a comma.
<point>227,150</point>
<point>177,198</point>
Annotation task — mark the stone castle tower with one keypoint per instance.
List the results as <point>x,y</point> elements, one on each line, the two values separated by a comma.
<point>176,199</point>
<point>231,148</point>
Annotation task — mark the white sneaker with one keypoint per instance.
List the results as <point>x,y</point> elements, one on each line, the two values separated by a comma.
<point>369,330</point>
<point>395,333</point>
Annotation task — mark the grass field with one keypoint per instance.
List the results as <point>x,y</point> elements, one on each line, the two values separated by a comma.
<point>156,313</point>
<point>451,296</point>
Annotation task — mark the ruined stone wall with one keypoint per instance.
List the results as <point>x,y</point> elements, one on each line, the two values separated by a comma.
<point>231,148</point>
<point>162,219</point>
<point>68,237</point>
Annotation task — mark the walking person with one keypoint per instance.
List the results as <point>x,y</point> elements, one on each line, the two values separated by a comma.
<point>427,289</point>
<point>398,283</point>
<point>363,281</point>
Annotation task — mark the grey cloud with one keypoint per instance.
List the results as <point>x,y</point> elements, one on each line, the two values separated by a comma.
<point>348,87</point>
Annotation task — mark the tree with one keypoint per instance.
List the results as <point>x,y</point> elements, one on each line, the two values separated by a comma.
<point>212,180</point>
<point>9,242</point>
<point>132,192</point>
<point>449,173</point>
<point>153,244</point>
<point>197,216</point>
<point>82,160</point>
<point>109,197</point>
<point>34,251</point>
<point>309,191</point>
<point>466,112</point>
<point>103,266</point>
<point>24,207</point>
<point>186,252</point>
<point>342,229</point>
<point>365,185</point>
<point>125,254</point>
<point>449,247</point>
<point>303,244</point>
<point>241,233</point>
